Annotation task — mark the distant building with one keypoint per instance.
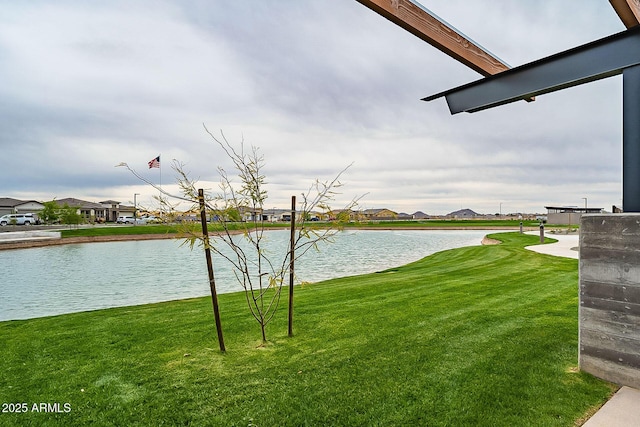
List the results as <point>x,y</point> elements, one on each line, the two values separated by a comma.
<point>11,206</point>
<point>378,214</point>
<point>275,215</point>
<point>109,210</point>
<point>566,215</point>
<point>343,214</point>
<point>420,215</point>
<point>90,211</point>
<point>463,214</point>
<point>113,209</point>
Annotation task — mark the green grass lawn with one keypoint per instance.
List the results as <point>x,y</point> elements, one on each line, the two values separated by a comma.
<point>120,230</point>
<point>478,336</point>
<point>453,223</point>
<point>154,229</point>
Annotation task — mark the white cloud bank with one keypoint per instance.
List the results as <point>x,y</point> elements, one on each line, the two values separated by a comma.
<point>316,85</point>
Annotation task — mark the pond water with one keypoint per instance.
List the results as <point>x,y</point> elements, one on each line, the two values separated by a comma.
<point>54,280</point>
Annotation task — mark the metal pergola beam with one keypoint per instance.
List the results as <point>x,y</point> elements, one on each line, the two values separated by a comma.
<point>593,61</point>
<point>628,11</point>
<point>613,55</point>
<point>425,25</point>
<point>631,139</point>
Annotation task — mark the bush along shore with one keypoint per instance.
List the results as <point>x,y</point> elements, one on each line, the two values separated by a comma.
<point>476,336</point>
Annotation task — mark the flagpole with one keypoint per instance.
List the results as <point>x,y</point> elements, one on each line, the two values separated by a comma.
<point>160,157</point>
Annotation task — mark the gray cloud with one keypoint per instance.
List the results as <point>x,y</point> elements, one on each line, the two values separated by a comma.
<point>316,85</point>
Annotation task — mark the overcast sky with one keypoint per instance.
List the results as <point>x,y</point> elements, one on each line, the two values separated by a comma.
<point>316,85</point>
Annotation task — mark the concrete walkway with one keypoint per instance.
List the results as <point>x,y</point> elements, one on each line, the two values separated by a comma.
<point>566,245</point>
<point>21,236</point>
<point>623,409</point>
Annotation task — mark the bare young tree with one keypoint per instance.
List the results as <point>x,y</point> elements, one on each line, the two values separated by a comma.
<point>238,209</point>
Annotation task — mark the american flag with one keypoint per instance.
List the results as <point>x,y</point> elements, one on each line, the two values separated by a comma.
<point>155,163</point>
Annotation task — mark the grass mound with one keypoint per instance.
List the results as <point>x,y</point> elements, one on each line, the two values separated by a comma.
<point>483,335</point>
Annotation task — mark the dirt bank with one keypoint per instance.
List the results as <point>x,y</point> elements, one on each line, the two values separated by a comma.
<point>71,240</point>
<point>489,241</point>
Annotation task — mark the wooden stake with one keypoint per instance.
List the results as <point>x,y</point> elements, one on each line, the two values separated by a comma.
<point>291,262</point>
<point>212,281</point>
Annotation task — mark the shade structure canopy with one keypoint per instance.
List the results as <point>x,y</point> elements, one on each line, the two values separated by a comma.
<point>628,11</point>
<point>610,56</point>
<point>590,62</point>
<point>424,24</point>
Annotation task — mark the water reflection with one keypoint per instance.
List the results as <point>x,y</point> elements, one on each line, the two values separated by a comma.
<point>69,278</point>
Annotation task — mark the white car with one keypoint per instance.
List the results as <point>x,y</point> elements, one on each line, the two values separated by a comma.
<point>125,220</point>
<point>147,220</point>
<point>19,219</point>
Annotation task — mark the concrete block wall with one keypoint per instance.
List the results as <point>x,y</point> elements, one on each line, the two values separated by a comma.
<point>609,334</point>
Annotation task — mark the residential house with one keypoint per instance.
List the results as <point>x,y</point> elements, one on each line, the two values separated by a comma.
<point>344,214</point>
<point>275,215</point>
<point>463,214</point>
<point>379,214</point>
<point>113,209</point>
<point>90,211</point>
<point>270,215</point>
<point>420,215</point>
<point>9,206</point>
<point>108,210</point>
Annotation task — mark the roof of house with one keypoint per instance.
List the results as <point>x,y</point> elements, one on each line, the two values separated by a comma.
<point>376,211</point>
<point>463,212</point>
<point>8,202</point>
<point>574,209</point>
<point>70,201</point>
